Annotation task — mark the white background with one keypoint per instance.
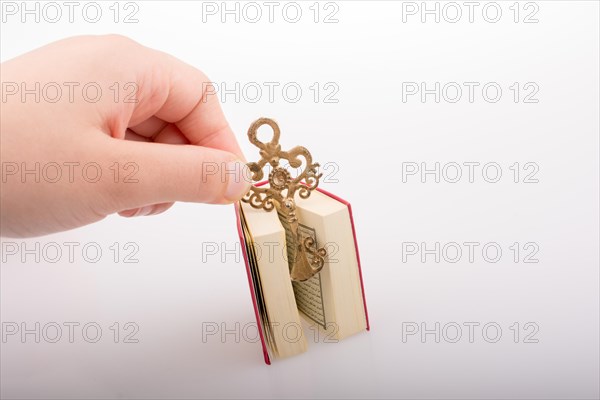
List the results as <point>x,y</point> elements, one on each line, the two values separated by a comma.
<point>177,289</point>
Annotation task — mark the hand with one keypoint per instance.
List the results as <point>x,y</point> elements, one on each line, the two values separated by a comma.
<point>72,153</point>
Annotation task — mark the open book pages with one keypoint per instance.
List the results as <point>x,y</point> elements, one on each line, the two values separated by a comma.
<point>269,272</point>
<point>332,299</point>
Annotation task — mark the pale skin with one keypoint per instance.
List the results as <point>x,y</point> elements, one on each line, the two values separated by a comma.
<point>173,137</point>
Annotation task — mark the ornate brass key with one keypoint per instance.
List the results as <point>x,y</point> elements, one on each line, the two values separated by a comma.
<point>280,195</point>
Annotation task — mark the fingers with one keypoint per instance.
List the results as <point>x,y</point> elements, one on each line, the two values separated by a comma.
<point>176,105</point>
<point>149,127</point>
<point>168,173</point>
<point>171,135</point>
<point>175,92</point>
<point>162,132</point>
<point>168,133</point>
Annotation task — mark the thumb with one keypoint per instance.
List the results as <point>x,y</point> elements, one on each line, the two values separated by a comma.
<point>155,173</point>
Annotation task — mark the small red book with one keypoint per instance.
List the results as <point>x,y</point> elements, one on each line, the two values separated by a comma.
<point>332,301</point>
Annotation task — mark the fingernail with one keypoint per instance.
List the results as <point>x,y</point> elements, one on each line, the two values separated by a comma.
<point>143,211</point>
<point>128,213</point>
<point>238,180</point>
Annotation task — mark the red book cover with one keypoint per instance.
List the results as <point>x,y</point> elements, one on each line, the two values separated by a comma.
<point>251,284</point>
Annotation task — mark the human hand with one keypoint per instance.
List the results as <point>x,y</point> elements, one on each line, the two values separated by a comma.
<point>149,137</point>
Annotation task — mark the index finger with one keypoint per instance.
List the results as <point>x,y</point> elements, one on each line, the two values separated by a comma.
<point>179,93</point>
